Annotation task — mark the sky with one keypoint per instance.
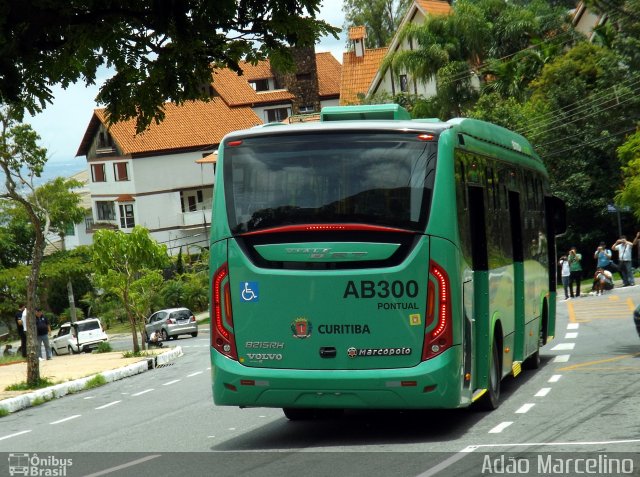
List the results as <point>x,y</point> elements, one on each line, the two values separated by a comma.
<point>62,124</point>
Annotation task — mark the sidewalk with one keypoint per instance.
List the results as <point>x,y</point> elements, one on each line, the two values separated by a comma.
<point>72,372</point>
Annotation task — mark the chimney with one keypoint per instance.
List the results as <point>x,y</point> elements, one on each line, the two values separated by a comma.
<point>303,83</point>
<point>357,35</point>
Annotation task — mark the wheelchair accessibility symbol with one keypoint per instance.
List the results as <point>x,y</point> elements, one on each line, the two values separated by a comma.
<point>249,291</point>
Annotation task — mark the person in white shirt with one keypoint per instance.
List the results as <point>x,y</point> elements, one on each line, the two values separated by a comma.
<point>566,274</point>
<point>624,249</point>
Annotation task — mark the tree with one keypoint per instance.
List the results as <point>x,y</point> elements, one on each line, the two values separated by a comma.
<point>590,100</point>
<point>126,266</point>
<point>21,159</point>
<point>629,155</point>
<point>62,204</point>
<point>160,50</point>
<point>16,235</point>
<point>380,17</point>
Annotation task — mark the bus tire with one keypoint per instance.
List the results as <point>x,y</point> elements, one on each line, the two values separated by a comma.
<point>491,399</point>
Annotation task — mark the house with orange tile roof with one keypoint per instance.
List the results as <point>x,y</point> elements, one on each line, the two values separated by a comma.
<point>394,82</point>
<point>163,177</point>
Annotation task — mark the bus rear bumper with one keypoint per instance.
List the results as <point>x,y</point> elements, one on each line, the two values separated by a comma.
<point>432,384</point>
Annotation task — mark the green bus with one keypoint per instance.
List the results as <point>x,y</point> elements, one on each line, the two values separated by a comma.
<point>369,260</point>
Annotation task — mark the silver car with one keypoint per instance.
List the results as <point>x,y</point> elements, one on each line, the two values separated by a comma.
<point>172,322</point>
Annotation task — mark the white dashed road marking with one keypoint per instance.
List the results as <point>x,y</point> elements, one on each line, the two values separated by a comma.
<point>561,358</point>
<point>14,435</point>
<point>107,405</point>
<point>524,409</point>
<point>543,392</point>
<point>570,336</point>
<point>563,347</point>
<point>143,392</point>
<point>65,419</point>
<point>555,378</point>
<point>573,326</point>
<point>500,427</point>
<point>171,382</point>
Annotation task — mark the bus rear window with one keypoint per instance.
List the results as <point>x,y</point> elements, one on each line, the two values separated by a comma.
<point>381,179</point>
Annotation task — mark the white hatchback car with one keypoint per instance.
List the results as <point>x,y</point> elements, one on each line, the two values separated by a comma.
<point>83,335</point>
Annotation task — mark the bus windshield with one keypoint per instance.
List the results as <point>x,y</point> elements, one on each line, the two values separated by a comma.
<point>383,179</point>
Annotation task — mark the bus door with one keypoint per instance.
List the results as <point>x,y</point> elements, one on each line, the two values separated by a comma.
<point>480,265</point>
<point>515,220</point>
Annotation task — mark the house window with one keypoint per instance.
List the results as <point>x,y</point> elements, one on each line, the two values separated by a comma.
<point>404,84</point>
<point>127,220</point>
<point>306,109</point>
<point>192,203</point>
<point>105,210</point>
<point>260,85</point>
<point>276,115</point>
<point>120,171</point>
<point>97,173</point>
<point>200,198</point>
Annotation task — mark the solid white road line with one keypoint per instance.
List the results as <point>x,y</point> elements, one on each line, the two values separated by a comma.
<point>570,336</point>
<point>543,392</point>
<point>561,358</point>
<point>143,392</point>
<point>563,347</point>
<point>436,470</point>
<point>14,435</point>
<point>555,378</point>
<point>65,419</point>
<point>525,408</point>
<point>500,427</point>
<point>171,382</point>
<point>107,405</point>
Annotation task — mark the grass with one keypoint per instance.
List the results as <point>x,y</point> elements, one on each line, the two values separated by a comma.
<point>95,382</point>
<point>136,354</point>
<point>3,412</point>
<point>11,359</point>
<point>23,386</point>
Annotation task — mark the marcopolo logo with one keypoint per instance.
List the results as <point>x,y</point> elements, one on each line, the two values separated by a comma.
<point>364,352</point>
<point>35,465</point>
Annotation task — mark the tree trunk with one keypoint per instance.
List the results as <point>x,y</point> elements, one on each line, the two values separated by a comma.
<point>33,353</point>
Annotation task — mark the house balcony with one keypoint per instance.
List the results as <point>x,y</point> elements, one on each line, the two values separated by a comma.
<point>196,218</point>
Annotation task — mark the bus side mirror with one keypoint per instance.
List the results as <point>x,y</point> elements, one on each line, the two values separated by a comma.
<point>556,215</point>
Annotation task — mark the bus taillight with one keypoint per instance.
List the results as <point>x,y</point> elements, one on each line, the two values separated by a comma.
<point>222,338</point>
<point>439,338</point>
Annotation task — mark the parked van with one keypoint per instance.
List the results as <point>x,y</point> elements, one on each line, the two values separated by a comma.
<point>83,335</point>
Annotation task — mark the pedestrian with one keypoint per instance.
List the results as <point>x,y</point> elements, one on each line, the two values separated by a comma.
<point>575,267</point>
<point>603,258</point>
<point>602,281</point>
<point>21,326</point>
<point>624,249</point>
<point>43,330</point>
<point>566,276</point>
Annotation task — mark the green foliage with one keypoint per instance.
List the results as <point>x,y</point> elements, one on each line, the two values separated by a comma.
<point>173,293</point>
<point>23,386</point>
<point>61,203</point>
<point>95,382</point>
<point>629,155</point>
<point>380,17</point>
<point>3,412</point>
<point>136,354</point>
<point>161,51</point>
<point>103,347</point>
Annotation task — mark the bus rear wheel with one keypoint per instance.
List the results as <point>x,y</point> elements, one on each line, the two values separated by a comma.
<point>491,399</point>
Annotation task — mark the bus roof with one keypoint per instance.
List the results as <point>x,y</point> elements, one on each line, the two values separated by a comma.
<point>392,117</point>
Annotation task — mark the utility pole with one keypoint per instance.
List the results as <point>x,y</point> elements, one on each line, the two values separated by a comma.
<point>72,302</point>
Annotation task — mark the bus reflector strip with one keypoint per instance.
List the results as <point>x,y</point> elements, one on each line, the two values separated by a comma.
<point>254,382</point>
<point>328,228</point>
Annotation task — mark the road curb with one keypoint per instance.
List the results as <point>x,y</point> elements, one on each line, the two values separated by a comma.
<point>24,401</point>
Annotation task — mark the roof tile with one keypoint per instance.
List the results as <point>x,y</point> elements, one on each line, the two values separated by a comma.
<point>358,72</point>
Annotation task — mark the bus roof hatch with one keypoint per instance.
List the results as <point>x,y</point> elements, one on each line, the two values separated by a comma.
<point>375,111</point>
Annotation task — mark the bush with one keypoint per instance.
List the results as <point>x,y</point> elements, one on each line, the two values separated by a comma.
<point>95,382</point>
<point>103,347</point>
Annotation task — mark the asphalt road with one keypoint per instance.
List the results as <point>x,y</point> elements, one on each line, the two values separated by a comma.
<point>583,403</point>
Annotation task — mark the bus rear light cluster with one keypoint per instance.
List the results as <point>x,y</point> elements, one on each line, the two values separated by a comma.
<point>222,338</point>
<point>438,339</point>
